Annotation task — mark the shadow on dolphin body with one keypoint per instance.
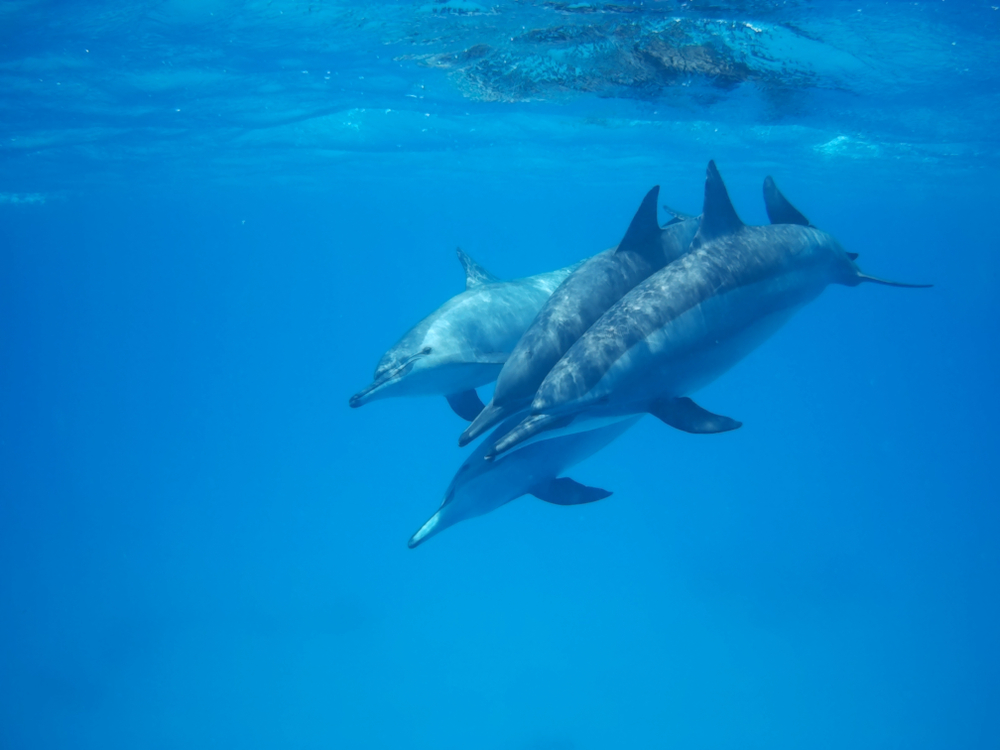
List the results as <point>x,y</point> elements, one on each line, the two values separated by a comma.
<point>482,486</point>
<point>578,302</point>
<point>690,322</point>
<point>464,343</point>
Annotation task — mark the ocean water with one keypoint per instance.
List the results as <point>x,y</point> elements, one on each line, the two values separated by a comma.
<point>216,216</point>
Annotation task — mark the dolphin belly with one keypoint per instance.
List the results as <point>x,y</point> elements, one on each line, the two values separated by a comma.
<point>481,486</point>
<point>702,366</point>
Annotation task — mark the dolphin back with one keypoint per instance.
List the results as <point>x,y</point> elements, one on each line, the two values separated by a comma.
<point>577,304</point>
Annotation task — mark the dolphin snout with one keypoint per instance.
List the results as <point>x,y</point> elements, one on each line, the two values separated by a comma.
<point>365,395</point>
<point>361,397</point>
<point>527,429</point>
<point>429,529</point>
<point>489,416</point>
<point>374,391</point>
<point>386,376</point>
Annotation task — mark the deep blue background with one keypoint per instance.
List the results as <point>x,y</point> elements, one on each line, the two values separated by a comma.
<point>201,545</point>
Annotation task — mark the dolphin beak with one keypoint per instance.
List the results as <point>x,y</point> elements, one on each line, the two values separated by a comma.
<point>387,378</point>
<point>361,397</point>
<point>527,429</point>
<point>371,393</point>
<point>488,417</point>
<point>429,529</point>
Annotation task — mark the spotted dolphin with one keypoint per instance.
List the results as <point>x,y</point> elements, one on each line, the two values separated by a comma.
<point>464,343</point>
<point>690,322</point>
<point>482,486</point>
<point>578,302</point>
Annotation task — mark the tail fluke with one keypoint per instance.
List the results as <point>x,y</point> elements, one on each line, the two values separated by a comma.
<point>865,277</point>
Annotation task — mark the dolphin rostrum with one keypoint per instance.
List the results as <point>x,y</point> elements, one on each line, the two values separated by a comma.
<point>690,322</point>
<point>464,343</point>
<point>482,486</point>
<point>578,302</point>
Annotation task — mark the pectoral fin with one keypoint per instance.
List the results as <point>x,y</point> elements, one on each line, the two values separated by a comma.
<point>565,491</point>
<point>466,404</point>
<point>684,414</point>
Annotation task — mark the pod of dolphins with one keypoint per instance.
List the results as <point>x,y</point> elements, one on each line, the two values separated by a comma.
<point>579,355</point>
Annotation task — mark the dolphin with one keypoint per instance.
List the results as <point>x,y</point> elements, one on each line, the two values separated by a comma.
<point>578,302</point>
<point>464,343</point>
<point>482,486</point>
<point>690,322</point>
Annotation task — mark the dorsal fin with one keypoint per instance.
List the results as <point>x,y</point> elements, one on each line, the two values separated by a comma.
<point>779,210</point>
<point>678,216</point>
<point>718,217</point>
<point>643,234</point>
<point>475,274</point>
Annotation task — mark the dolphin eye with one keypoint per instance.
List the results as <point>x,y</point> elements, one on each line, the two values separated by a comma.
<point>425,350</point>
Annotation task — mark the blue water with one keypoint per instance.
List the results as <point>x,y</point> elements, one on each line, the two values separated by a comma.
<point>216,216</point>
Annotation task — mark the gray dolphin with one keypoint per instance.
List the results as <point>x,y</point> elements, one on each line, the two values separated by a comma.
<point>578,302</point>
<point>464,343</point>
<point>690,322</point>
<point>482,486</point>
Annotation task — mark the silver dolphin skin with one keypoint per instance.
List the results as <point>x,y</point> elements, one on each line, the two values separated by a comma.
<point>690,322</point>
<point>464,343</point>
<point>482,486</point>
<point>578,302</point>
